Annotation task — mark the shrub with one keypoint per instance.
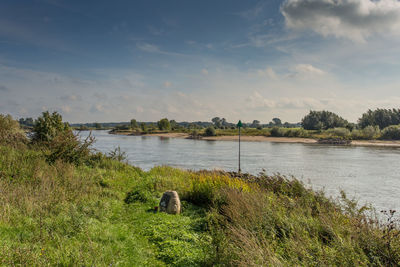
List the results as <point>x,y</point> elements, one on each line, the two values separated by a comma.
<point>339,132</point>
<point>117,154</point>
<point>391,132</point>
<point>210,131</point>
<point>138,195</point>
<point>58,140</point>
<point>369,132</point>
<point>67,147</point>
<point>277,131</point>
<point>11,133</point>
<point>49,126</point>
<point>296,132</point>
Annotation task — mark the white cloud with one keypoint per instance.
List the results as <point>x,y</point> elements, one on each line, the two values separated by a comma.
<point>350,19</point>
<point>307,69</point>
<point>150,48</point>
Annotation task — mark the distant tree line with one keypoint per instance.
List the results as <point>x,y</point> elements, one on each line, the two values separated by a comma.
<point>380,122</point>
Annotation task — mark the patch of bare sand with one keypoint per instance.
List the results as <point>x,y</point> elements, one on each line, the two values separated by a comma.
<point>262,139</point>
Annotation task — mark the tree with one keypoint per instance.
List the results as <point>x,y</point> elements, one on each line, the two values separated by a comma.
<point>97,126</point>
<point>217,122</point>
<point>224,122</point>
<point>164,124</point>
<point>255,124</point>
<point>26,122</point>
<point>322,120</point>
<point>134,124</point>
<point>380,117</point>
<point>49,126</point>
<point>143,126</point>
<point>10,132</point>
<point>174,124</point>
<point>277,121</point>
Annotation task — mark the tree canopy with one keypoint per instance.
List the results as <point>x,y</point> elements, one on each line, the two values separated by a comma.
<point>49,126</point>
<point>164,124</point>
<point>322,120</point>
<point>380,117</point>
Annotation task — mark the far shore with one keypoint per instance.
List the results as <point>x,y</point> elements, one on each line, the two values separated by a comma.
<point>375,143</point>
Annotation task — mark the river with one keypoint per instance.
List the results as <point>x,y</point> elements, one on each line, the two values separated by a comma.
<point>370,174</point>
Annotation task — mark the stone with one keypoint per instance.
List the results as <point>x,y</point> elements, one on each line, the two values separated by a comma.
<point>170,202</point>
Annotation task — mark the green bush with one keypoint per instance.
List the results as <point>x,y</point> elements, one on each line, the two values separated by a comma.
<point>296,132</point>
<point>48,126</point>
<point>339,132</point>
<point>391,132</point>
<point>67,147</point>
<point>277,132</point>
<point>368,133</point>
<point>210,131</point>
<point>138,195</point>
<point>59,141</point>
<point>11,133</point>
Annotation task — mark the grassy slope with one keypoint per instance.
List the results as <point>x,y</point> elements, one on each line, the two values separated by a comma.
<point>70,215</point>
<point>67,215</point>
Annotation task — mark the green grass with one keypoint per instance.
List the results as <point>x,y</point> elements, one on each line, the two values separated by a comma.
<point>65,215</point>
<point>79,215</point>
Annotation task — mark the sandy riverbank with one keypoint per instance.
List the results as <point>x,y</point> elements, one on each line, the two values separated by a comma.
<point>375,143</point>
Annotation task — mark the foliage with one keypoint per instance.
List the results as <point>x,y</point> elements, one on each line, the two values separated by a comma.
<point>277,132</point>
<point>380,117</point>
<point>136,195</point>
<point>68,147</point>
<point>117,154</point>
<point>26,122</point>
<point>277,121</point>
<point>164,125</point>
<point>339,132</point>
<point>97,126</point>
<point>322,120</point>
<point>210,131</point>
<point>134,124</point>
<point>11,133</point>
<point>143,126</point>
<point>368,133</point>
<point>391,132</point>
<point>48,126</point>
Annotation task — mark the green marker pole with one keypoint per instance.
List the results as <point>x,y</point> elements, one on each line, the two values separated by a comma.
<point>239,125</point>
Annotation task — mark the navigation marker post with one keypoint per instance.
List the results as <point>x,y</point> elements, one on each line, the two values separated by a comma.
<point>239,125</point>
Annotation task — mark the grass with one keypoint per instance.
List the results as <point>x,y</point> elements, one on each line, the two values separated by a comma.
<point>61,214</point>
<point>76,208</point>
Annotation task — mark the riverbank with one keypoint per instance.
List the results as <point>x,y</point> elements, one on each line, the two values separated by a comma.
<point>374,143</point>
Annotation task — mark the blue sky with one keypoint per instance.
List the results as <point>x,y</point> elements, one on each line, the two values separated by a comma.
<point>193,60</point>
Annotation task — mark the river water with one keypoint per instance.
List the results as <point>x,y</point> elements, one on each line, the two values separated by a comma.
<point>370,174</point>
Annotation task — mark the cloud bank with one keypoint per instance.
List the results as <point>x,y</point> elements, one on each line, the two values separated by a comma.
<point>350,19</point>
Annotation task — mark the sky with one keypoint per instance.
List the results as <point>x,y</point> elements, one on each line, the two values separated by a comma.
<point>105,61</point>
